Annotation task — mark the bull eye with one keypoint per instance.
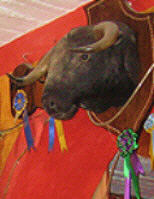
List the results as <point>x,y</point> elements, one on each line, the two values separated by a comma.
<point>85,57</point>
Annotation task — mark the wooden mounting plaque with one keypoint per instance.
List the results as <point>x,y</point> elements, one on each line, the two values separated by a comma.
<point>143,25</point>
<point>33,91</point>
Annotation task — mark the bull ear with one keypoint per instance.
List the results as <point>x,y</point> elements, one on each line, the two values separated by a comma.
<point>110,32</point>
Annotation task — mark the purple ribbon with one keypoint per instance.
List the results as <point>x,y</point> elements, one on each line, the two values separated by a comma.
<point>137,164</point>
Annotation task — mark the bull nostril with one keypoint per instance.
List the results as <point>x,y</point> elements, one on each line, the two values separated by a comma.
<point>52,104</point>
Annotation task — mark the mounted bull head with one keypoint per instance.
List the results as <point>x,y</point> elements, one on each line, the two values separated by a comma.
<point>93,67</point>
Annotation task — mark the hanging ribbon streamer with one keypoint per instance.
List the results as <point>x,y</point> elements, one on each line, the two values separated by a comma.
<point>51,133</point>
<point>132,167</point>
<point>27,130</point>
<point>61,135</point>
<point>60,132</point>
<point>19,105</point>
<point>149,128</point>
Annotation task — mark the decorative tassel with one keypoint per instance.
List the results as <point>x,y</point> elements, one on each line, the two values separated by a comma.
<point>61,135</point>
<point>20,104</point>
<point>132,167</point>
<point>51,133</point>
<point>149,128</point>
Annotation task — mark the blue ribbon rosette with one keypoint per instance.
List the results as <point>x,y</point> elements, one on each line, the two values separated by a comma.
<point>20,104</point>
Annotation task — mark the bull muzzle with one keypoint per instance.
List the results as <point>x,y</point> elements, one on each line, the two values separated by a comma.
<point>56,111</point>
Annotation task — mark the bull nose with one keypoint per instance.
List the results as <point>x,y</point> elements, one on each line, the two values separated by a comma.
<point>52,104</point>
<point>48,104</point>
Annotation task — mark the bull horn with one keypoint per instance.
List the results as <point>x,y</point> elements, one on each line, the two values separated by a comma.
<point>33,76</point>
<point>36,74</point>
<point>110,33</point>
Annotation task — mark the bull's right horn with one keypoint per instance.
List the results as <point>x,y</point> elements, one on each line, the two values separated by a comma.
<point>36,74</point>
<point>110,32</point>
<point>33,76</point>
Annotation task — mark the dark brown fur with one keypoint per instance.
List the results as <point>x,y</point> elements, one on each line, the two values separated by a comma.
<point>94,81</point>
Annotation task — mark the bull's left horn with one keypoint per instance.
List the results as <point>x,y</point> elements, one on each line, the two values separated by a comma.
<point>110,32</point>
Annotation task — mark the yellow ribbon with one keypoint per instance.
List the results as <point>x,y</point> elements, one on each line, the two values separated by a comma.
<point>150,129</point>
<point>151,152</point>
<point>61,136</point>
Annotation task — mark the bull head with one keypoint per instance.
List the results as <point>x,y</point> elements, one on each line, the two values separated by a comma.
<point>93,67</point>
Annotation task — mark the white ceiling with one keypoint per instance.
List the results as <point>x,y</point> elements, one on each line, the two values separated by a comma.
<point>18,17</point>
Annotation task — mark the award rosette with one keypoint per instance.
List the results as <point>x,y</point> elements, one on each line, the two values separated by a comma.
<point>20,104</point>
<point>127,145</point>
